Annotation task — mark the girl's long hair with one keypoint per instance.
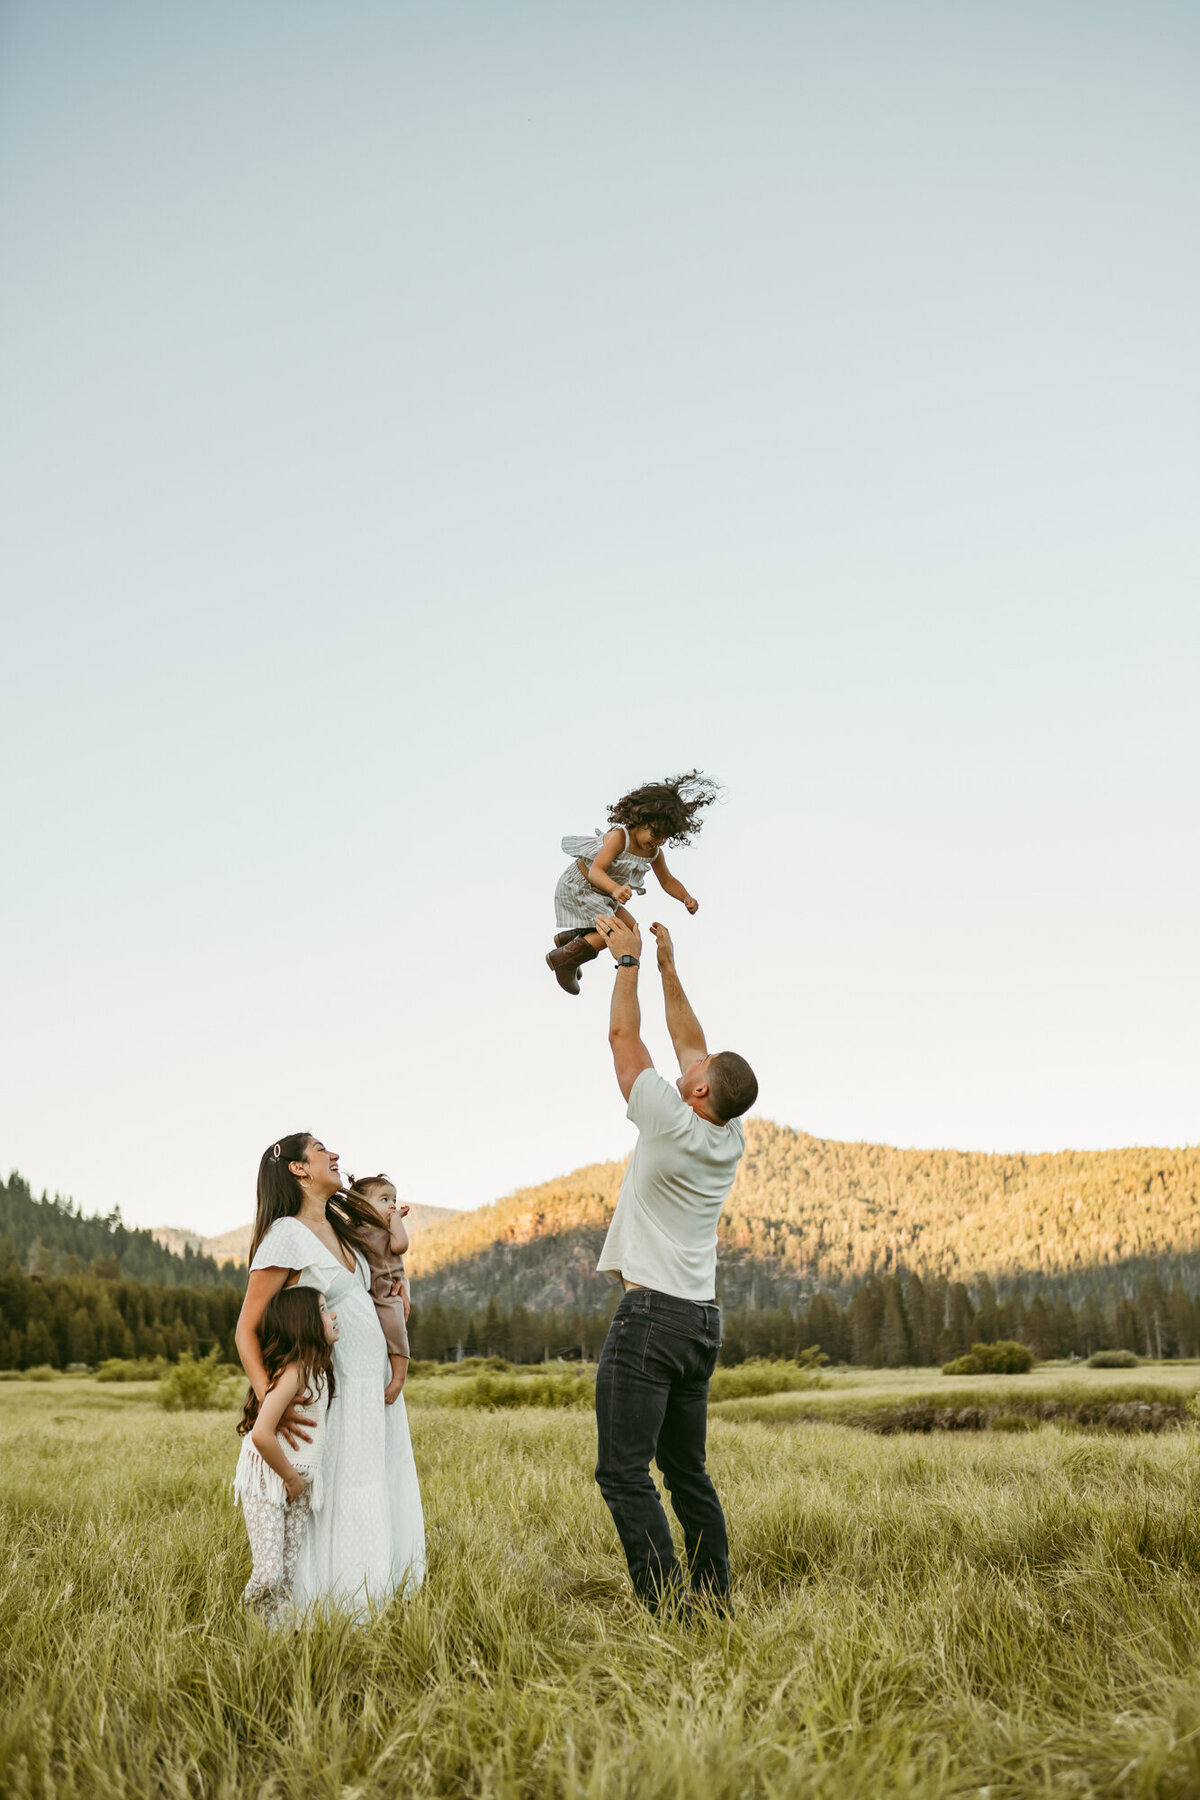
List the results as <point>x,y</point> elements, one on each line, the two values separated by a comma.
<point>291,1331</point>
<point>280,1195</point>
<point>671,807</point>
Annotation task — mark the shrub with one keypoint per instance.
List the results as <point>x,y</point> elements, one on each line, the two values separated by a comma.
<point>1004,1358</point>
<point>41,1372</point>
<point>192,1386</point>
<point>497,1391</point>
<point>1114,1359</point>
<point>765,1375</point>
<point>130,1368</point>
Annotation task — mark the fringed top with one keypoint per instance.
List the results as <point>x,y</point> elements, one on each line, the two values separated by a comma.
<point>254,1479</point>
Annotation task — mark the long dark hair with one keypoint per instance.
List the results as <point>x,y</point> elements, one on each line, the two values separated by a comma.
<point>671,808</point>
<point>280,1195</point>
<point>291,1331</point>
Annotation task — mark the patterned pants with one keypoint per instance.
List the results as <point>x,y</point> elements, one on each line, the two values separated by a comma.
<point>276,1533</point>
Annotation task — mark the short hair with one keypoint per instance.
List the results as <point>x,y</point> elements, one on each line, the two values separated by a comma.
<point>366,1184</point>
<point>732,1084</point>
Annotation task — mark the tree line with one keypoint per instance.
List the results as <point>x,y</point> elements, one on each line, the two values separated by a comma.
<point>889,1321</point>
<point>893,1321</point>
<point>62,1319</point>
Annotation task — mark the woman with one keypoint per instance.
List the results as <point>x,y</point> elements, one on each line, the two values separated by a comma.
<point>369,1538</point>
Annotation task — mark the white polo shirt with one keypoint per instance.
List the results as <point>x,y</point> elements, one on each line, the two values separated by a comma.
<point>664,1232</point>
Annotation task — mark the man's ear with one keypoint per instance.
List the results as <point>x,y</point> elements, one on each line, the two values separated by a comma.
<point>700,1092</point>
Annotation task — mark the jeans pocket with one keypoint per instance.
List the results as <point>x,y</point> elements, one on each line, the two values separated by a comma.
<point>665,1355</point>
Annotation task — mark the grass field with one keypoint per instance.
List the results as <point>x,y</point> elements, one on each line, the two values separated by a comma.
<point>956,1614</point>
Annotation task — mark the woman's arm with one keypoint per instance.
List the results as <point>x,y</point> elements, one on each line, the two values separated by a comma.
<point>672,884</point>
<point>262,1286</point>
<point>265,1436</point>
<point>598,875</point>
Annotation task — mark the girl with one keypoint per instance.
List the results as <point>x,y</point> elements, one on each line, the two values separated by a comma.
<point>383,1246</point>
<point>296,1336</point>
<point>608,867</point>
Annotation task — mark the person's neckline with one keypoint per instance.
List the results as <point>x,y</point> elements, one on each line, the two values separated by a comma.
<point>351,1268</point>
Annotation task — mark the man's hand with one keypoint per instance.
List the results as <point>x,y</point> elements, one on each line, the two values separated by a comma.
<point>666,949</point>
<point>622,940</point>
<point>692,905</point>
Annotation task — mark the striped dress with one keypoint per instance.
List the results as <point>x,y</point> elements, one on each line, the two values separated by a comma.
<point>576,901</point>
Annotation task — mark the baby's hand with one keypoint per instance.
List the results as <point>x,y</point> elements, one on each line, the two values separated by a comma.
<point>296,1485</point>
<point>403,1209</point>
<point>621,895</point>
<point>692,905</point>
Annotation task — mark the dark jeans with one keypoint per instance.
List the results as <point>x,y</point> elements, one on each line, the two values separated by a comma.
<point>652,1402</point>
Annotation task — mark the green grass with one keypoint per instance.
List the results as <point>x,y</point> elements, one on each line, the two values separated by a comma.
<point>940,1616</point>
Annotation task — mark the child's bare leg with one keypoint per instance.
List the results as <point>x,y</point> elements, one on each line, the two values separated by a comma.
<point>399,1368</point>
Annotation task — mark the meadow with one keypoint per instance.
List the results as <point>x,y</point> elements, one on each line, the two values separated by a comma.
<point>986,1613</point>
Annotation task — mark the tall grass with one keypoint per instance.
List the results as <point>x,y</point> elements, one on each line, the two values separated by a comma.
<point>937,1616</point>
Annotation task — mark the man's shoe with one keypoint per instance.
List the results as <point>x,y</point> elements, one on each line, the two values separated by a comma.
<point>567,961</point>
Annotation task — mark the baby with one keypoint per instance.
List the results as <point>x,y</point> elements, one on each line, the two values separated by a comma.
<point>384,1245</point>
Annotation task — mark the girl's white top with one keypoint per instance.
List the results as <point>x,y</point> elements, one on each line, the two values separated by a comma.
<point>576,901</point>
<point>254,1479</point>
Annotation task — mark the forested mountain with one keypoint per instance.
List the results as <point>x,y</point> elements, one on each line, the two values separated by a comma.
<point>52,1237</point>
<point>809,1214</point>
<point>234,1246</point>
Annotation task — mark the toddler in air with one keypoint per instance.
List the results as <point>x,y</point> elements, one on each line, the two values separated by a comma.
<point>608,867</point>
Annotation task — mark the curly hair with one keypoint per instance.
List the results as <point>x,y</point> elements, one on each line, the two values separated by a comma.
<point>671,808</point>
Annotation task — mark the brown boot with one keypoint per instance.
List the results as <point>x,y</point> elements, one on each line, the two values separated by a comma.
<point>562,938</point>
<point>567,961</point>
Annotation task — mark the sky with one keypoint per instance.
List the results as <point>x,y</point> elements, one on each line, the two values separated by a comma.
<point>421,423</point>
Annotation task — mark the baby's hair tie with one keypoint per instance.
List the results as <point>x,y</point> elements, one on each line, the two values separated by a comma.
<point>275,1153</point>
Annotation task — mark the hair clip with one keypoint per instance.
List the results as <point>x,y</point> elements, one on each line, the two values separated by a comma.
<point>275,1153</point>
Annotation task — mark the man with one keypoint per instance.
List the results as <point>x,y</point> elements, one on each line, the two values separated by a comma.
<point>661,1349</point>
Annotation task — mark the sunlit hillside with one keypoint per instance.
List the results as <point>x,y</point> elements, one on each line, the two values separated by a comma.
<point>811,1212</point>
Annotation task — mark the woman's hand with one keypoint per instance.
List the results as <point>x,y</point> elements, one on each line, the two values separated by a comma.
<point>295,1430</point>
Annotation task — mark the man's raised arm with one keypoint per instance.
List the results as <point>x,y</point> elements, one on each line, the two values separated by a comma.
<point>630,1055</point>
<point>682,1022</point>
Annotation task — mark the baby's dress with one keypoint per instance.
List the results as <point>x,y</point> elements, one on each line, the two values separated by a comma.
<point>387,1268</point>
<point>576,901</point>
<point>276,1525</point>
<point>368,1540</point>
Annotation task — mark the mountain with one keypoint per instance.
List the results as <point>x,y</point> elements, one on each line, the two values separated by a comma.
<point>52,1237</point>
<point>809,1213</point>
<point>234,1246</point>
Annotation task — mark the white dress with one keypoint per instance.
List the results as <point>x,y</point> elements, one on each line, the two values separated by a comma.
<point>368,1539</point>
<point>576,901</point>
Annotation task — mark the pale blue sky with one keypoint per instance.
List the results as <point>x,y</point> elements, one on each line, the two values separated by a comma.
<point>422,422</point>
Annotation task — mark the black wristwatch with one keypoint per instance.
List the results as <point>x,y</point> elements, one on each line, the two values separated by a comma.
<point>627,962</point>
